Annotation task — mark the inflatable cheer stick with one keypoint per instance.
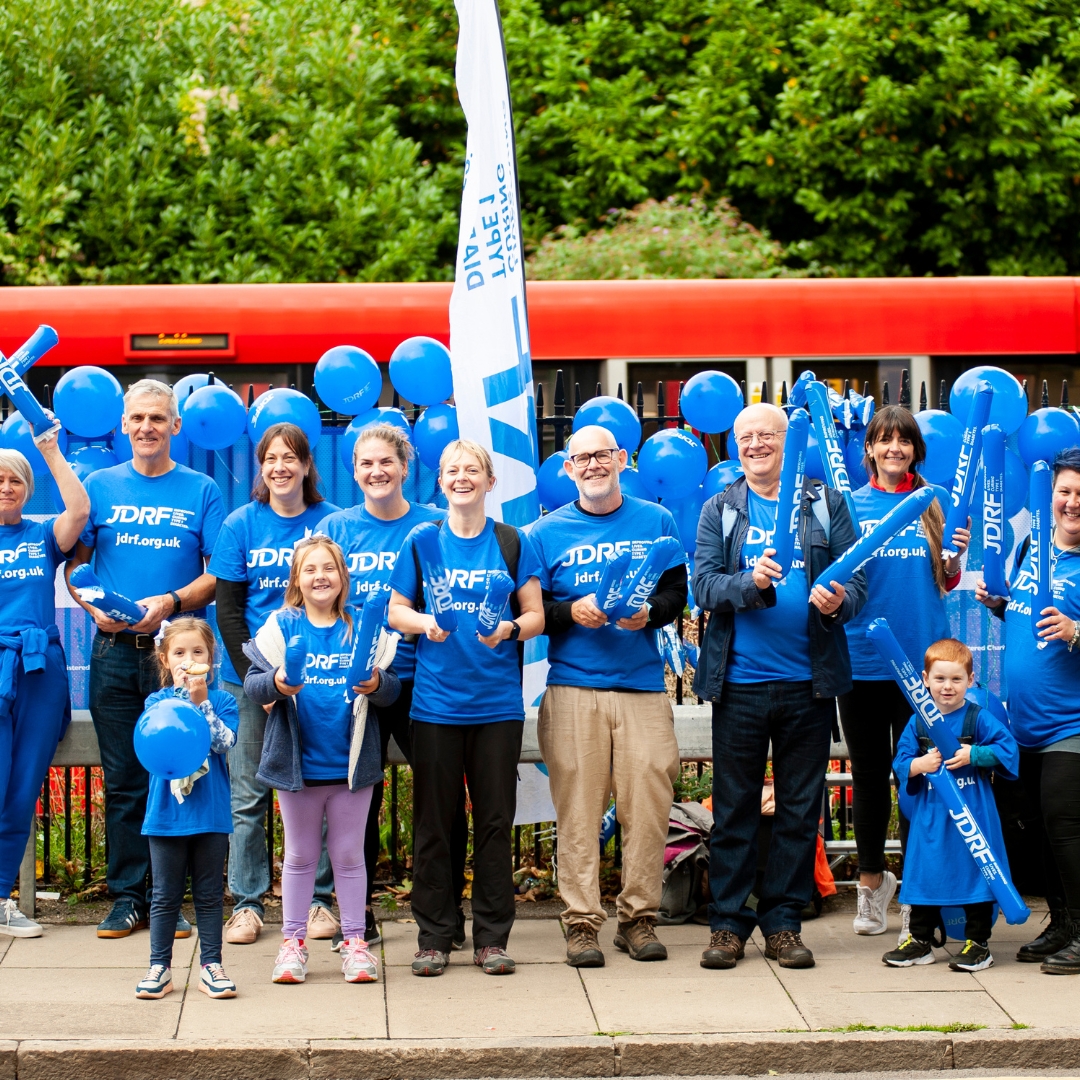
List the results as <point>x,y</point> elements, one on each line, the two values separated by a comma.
<point>295,660</point>
<point>993,458</point>
<point>1042,522</point>
<point>966,466</point>
<point>909,680</point>
<point>372,619</point>
<point>798,388</point>
<point>864,549</point>
<point>11,381</point>
<point>832,449</point>
<point>33,349</point>
<point>499,587</point>
<point>609,592</point>
<point>643,582</point>
<point>426,540</point>
<point>90,591</point>
<point>789,497</point>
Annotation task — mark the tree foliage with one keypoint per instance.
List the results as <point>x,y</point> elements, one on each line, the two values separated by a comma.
<point>259,140</point>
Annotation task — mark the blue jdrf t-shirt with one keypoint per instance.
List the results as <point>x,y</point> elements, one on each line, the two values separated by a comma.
<point>771,644</point>
<point>460,680</point>
<point>371,548</point>
<point>29,556</point>
<point>150,534</point>
<point>573,547</point>
<point>256,545</point>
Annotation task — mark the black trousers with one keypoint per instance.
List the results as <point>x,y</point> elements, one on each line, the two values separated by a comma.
<point>394,720</point>
<point>172,857</point>
<point>977,923</point>
<point>1052,788</point>
<point>487,755</point>
<point>873,716</point>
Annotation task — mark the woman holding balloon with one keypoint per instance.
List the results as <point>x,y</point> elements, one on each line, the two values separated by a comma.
<point>35,706</point>
<point>906,584</point>
<point>251,562</point>
<point>1042,673</point>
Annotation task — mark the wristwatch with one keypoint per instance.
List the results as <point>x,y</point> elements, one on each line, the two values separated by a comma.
<point>515,632</point>
<point>176,601</point>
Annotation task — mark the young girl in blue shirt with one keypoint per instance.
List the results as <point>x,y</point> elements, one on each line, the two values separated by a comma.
<point>188,821</point>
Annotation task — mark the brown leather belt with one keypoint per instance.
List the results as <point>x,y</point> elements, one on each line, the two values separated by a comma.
<point>135,641</point>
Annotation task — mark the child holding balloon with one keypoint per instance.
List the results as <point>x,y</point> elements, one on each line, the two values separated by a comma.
<point>321,747</point>
<point>188,821</point>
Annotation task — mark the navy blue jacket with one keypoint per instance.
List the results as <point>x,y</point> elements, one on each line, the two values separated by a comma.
<point>723,590</point>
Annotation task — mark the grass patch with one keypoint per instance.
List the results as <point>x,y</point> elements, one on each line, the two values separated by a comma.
<point>1020,1027</point>
<point>946,1029</point>
<point>612,1034</point>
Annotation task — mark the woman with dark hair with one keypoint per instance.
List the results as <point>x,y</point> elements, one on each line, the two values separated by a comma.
<point>906,584</point>
<point>251,561</point>
<point>1043,683</point>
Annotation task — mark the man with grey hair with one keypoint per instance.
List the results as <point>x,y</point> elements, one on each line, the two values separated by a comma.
<point>773,660</point>
<point>152,527</point>
<point>606,724</point>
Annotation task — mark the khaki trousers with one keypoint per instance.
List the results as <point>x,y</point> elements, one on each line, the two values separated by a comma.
<point>598,743</point>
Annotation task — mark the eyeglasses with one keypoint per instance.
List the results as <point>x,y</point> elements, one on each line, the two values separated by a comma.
<point>601,457</point>
<point>764,437</point>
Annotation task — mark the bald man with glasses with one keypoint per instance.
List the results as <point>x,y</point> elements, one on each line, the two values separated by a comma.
<point>606,723</point>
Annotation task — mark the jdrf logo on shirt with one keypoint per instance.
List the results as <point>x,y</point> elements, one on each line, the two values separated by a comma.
<point>32,550</point>
<point>258,557</point>
<point>363,562</point>
<point>149,515</point>
<point>328,661</point>
<point>584,554</point>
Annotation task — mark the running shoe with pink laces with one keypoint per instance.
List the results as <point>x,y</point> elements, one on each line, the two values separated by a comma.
<point>358,964</point>
<point>291,963</point>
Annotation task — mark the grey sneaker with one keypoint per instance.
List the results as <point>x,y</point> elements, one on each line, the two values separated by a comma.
<point>429,962</point>
<point>494,961</point>
<point>13,923</point>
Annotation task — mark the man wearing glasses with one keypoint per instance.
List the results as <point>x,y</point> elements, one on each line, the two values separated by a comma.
<point>606,724</point>
<point>773,659</point>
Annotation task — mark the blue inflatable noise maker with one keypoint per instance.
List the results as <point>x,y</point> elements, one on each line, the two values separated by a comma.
<point>366,640</point>
<point>789,497</point>
<point>90,591</point>
<point>609,588</point>
<point>295,660</point>
<point>441,599</point>
<point>993,456</point>
<point>172,738</point>
<point>830,445</point>
<point>864,549</point>
<point>910,681</point>
<point>967,464</point>
<point>1042,522</point>
<point>642,583</point>
<point>499,587</point>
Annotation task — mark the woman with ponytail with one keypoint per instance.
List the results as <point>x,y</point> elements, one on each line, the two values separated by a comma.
<point>906,584</point>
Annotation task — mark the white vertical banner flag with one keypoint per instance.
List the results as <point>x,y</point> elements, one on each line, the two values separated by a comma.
<point>489,327</point>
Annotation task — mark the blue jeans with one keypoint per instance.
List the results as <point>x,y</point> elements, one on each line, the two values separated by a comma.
<point>799,725</point>
<point>249,865</point>
<point>121,679</point>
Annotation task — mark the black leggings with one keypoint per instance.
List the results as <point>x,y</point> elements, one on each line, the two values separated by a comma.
<point>873,716</point>
<point>977,922</point>
<point>1052,790</point>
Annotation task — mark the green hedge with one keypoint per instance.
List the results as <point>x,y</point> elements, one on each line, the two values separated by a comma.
<point>265,140</point>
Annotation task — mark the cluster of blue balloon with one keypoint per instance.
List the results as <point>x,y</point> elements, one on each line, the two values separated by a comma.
<point>172,739</point>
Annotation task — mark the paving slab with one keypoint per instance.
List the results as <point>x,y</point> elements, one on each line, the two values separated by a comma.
<point>532,941</point>
<point>60,944</point>
<point>1032,998</point>
<point>5,945</point>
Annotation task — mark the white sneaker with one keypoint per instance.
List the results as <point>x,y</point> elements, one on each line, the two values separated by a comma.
<point>156,983</point>
<point>14,923</point>
<point>873,913</point>
<point>905,924</point>
<point>357,962</point>
<point>291,963</point>
<point>321,923</point>
<point>214,983</point>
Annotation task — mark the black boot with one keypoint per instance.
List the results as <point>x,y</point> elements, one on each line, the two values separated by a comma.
<point>1065,961</point>
<point>1057,935</point>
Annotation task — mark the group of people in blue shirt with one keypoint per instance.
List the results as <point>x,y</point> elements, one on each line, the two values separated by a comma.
<point>290,575</point>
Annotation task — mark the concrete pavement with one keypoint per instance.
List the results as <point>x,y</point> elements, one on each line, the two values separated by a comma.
<point>67,1007</point>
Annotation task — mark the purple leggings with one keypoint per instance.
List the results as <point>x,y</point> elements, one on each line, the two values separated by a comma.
<point>346,819</point>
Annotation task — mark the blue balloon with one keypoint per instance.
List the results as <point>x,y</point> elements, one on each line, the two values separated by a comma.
<point>710,401</point>
<point>121,446</point>
<point>214,417</point>
<point>943,434</point>
<point>853,458</point>
<point>182,388</point>
<point>687,513</point>
<point>88,401</point>
<point>420,371</point>
<point>1046,432</point>
<point>172,738</point>
<point>381,415</point>
<point>283,405</point>
<point>1016,484</point>
<point>954,920</point>
<point>553,485</point>
<point>348,379</point>
<point>630,483</point>
<point>614,414</point>
<point>17,434</point>
<point>88,459</point>
<point>672,463</point>
<point>989,701</point>
<point>1009,405</point>
<point>435,427</point>
<point>721,476</point>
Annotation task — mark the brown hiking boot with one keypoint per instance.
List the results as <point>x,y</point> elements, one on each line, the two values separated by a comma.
<point>788,950</point>
<point>582,946</point>
<point>725,949</point>
<point>638,938</point>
